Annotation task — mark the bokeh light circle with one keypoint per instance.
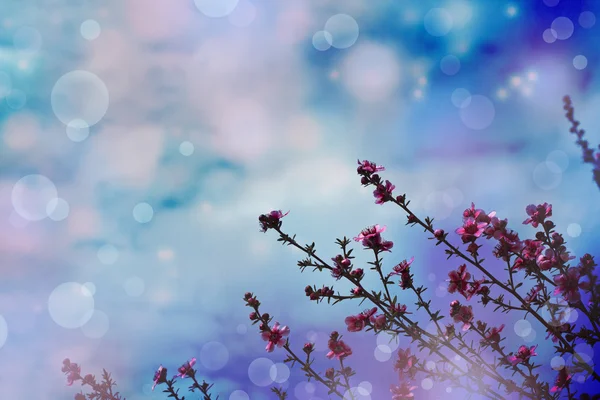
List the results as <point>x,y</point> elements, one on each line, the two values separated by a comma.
<point>549,36</point>
<point>427,383</point>
<point>357,393</point>
<point>545,177</point>
<point>555,311</point>
<point>241,329</point>
<point>587,19</point>
<point>383,353</point>
<point>563,27</point>
<point>557,158</point>
<point>557,363</point>
<point>186,148</point>
<point>134,286</point>
<point>279,372</point>
<point>57,209</point>
<point>5,84</point>
<point>522,328</point>
<point>239,395</point>
<point>97,326</point>
<point>3,331</point>
<point>16,99</point>
<point>259,371</point>
<point>31,196</point>
<point>580,62</point>
<point>574,230</point>
<point>78,130</point>
<point>461,98</point>
<point>143,213</point>
<point>91,287</point>
<point>216,8</point>
<point>79,95</point>
<point>322,40</point>
<point>450,65</point>
<point>243,15</point>
<point>90,29</point>
<point>108,254</point>
<point>551,3</point>
<point>479,114</point>
<point>27,39</point>
<point>343,30</point>
<point>366,386</point>
<point>438,22</point>
<point>71,305</point>
<point>214,355</point>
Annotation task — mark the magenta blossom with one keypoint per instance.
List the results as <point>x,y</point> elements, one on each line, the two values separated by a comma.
<point>523,355</point>
<point>72,370</point>
<point>405,363</point>
<point>459,280</point>
<point>357,323</point>
<point>367,168</point>
<point>160,376</point>
<point>460,313</point>
<point>186,369</point>
<point>568,284</point>
<point>402,391</point>
<point>562,380</point>
<point>271,220</point>
<point>275,336</point>
<point>383,193</point>
<point>471,230</point>
<point>537,214</point>
<point>337,347</point>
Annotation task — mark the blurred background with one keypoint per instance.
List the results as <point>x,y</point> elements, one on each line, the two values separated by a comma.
<point>141,139</point>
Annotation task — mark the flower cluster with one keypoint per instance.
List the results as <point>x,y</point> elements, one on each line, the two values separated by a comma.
<point>543,260</point>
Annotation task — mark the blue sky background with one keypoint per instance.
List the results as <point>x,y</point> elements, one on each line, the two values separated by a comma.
<point>141,139</point>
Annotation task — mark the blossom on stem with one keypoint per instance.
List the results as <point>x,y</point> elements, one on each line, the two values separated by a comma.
<point>459,280</point>
<point>357,323</point>
<point>405,363</point>
<point>492,337</point>
<point>402,391</point>
<point>383,193</point>
<point>471,230</point>
<point>72,370</point>
<point>568,285</point>
<point>371,239</point>
<point>275,336</point>
<point>562,380</point>
<point>271,220</point>
<point>537,214</point>
<point>337,347</point>
<point>460,313</point>
<point>523,355</point>
<point>160,376</point>
<point>367,168</point>
<point>186,369</point>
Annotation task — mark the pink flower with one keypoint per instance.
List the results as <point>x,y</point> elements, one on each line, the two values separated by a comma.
<point>471,230</point>
<point>356,323</point>
<point>72,370</point>
<point>403,266</point>
<point>523,355</point>
<point>383,193</point>
<point>568,284</point>
<point>492,337</point>
<point>271,220</point>
<point>367,168</point>
<point>404,363</point>
<point>186,369</point>
<point>537,214</point>
<point>533,293</point>
<point>402,391</point>
<point>369,232</point>
<point>337,347</point>
<point>462,314</point>
<point>478,214</point>
<point>275,336</point>
<point>562,380</point>
<point>160,376</point>
<point>378,321</point>
<point>459,280</point>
